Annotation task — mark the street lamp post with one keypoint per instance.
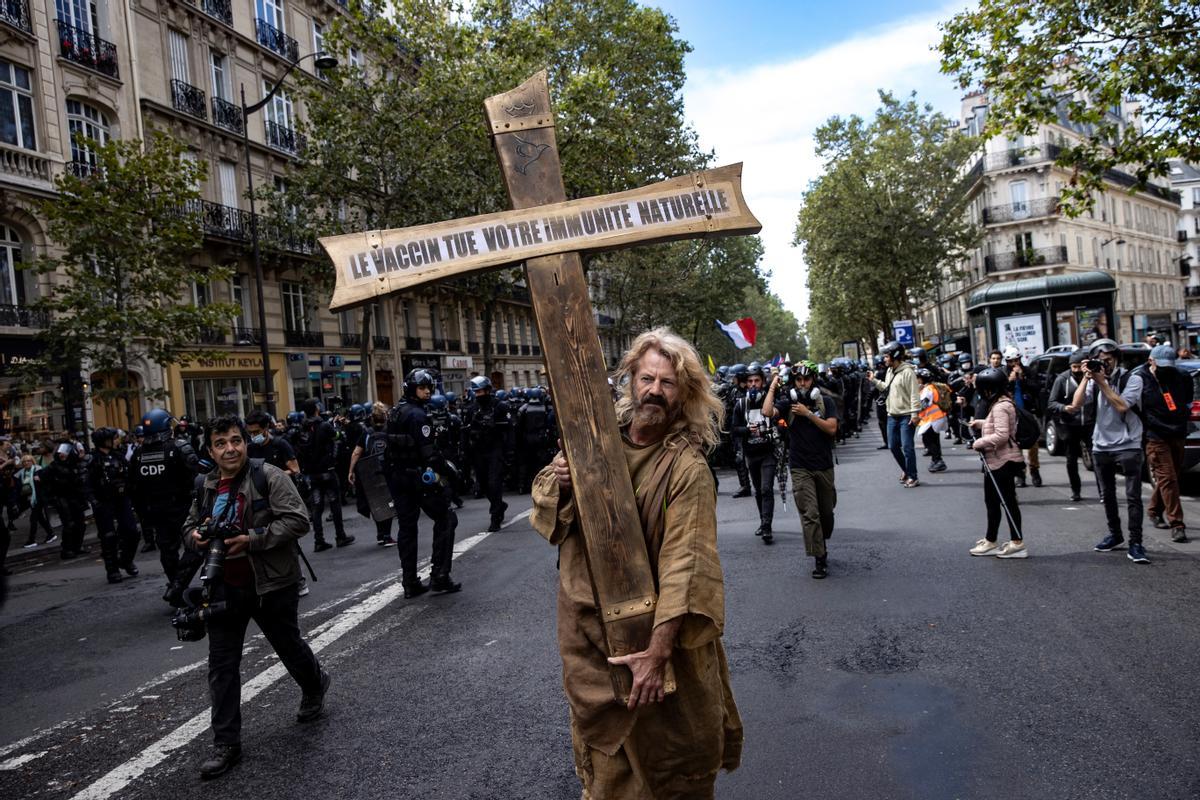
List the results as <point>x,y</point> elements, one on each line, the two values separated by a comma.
<point>323,61</point>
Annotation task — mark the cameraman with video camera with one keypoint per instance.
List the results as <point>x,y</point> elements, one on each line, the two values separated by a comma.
<point>247,519</point>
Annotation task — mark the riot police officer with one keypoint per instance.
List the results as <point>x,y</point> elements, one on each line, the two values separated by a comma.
<point>489,434</point>
<point>162,473</point>
<point>418,478</point>
<point>737,390</point>
<point>536,437</point>
<point>316,448</point>
<point>107,488</point>
<point>447,439</point>
<point>63,478</point>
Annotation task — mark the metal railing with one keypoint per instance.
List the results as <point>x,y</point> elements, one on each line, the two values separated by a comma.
<point>16,13</point>
<point>453,344</point>
<point>81,169</point>
<point>211,336</point>
<point>227,115</point>
<point>188,99</point>
<point>1033,257</point>
<point>247,336</point>
<point>1009,212</point>
<point>284,138</point>
<point>1192,291</point>
<point>1181,236</point>
<point>473,348</point>
<point>218,9</point>
<point>1127,180</point>
<point>439,344</point>
<point>412,342</point>
<point>224,221</point>
<point>351,340</point>
<point>274,39</point>
<point>87,49</point>
<point>22,317</point>
<point>304,338</point>
<point>382,342</point>
<point>1022,156</point>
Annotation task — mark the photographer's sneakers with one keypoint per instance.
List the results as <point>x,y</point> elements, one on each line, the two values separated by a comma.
<point>1137,554</point>
<point>1110,543</point>
<point>311,705</point>
<point>219,762</point>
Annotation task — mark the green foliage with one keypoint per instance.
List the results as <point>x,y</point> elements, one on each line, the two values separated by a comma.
<point>1069,62</point>
<point>125,239</point>
<point>885,224</point>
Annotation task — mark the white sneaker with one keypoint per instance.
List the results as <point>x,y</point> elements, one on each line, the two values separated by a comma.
<point>985,548</point>
<point>29,545</point>
<point>303,586</point>
<point>1013,549</point>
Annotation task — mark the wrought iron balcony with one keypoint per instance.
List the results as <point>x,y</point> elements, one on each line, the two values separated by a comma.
<point>284,138</point>
<point>1022,156</point>
<point>81,169</point>
<point>473,348</point>
<point>1033,257</point>
<point>382,342</point>
<point>87,49</point>
<point>188,99</point>
<point>1129,181</point>
<point>211,336</point>
<point>351,340</point>
<point>1030,209</point>
<point>274,39</point>
<point>223,221</point>
<point>1181,236</point>
<point>304,338</point>
<point>453,344</point>
<point>218,9</point>
<point>439,344</point>
<point>246,337</point>
<point>16,14</point>
<point>412,342</point>
<point>1192,291</point>
<point>525,350</point>
<point>227,115</point>
<point>21,317</point>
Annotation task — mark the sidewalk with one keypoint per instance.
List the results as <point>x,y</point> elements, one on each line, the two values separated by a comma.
<point>19,557</point>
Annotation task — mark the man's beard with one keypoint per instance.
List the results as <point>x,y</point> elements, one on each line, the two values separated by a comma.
<point>652,410</point>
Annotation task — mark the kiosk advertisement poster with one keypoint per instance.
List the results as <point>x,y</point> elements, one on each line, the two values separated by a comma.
<point>981,348</point>
<point>1093,325</point>
<point>1064,322</point>
<point>1024,332</point>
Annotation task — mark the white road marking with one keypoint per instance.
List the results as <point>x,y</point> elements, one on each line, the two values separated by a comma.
<point>492,642</point>
<point>117,779</point>
<point>13,763</point>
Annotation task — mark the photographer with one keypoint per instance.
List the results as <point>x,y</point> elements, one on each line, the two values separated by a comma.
<point>757,434</point>
<point>812,424</point>
<point>255,511</point>
<point>1073,432</point>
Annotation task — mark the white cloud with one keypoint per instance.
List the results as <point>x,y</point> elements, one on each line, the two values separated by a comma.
<point>765,115</point>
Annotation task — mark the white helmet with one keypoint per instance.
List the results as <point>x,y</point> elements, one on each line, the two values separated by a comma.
<point>1011,352</point>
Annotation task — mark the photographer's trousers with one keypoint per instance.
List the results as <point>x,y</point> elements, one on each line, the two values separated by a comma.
<point>762,475</point>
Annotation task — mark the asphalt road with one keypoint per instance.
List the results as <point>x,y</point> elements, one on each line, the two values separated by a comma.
<point>913,671</point>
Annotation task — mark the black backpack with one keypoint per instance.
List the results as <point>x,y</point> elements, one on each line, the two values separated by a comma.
<point>1028,428</point>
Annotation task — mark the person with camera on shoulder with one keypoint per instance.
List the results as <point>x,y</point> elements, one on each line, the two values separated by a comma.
<point>248,518</point>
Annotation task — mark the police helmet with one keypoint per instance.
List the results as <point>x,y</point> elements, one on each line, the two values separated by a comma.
<point>992,381</point>
<point>295,418</point>
<point>156,421</point>
<point>481,383</point>
<point>924,375</point>
<point>919,354</point>
<point>451,397</point>
<point>722,370</point>
<point>893,350</point>
<point>415,379</point>
<point>738,371</point>
<point>437,402</point>
<point>103,437</point>
<point>536,395</point>
<point>139,431</point>
<point>501,395</point>
<point>357,412</point>
<point>1103,346</point>
<point>755,368</point>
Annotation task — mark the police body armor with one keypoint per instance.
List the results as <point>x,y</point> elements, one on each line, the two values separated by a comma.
<point>164,473</point>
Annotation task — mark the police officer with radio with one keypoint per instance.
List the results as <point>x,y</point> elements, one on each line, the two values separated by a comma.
<point>419,478</point>
<point>447,439</point>
<point>316,448</point>
<point>162,473</point>
<point>107,489</point>
<point>489,427</point>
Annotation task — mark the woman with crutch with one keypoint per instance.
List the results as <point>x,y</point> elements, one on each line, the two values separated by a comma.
<point>1002,464</point>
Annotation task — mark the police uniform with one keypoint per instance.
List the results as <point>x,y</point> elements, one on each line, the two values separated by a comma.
<point>316,445</point>
<point>417,483</point>
<point>108,485</point>
<point>489,433</point>
<point>758,444</point>
<point>162,473</point>
<point>536,438</point>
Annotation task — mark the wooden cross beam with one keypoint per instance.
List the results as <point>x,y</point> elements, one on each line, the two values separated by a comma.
<point>548,233</point>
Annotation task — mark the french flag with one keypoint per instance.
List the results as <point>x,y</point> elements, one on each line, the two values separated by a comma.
<point>741,332</point>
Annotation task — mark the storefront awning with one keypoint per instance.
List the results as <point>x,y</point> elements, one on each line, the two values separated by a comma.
<point>1039,288</point>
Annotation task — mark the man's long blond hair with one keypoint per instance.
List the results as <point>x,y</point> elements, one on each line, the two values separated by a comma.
<point>700,414</point>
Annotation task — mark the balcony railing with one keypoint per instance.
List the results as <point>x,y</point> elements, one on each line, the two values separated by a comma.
<point>81,169</point>
<point>453,345</point>
<point>244,337</point>
<point>211,336</point>
<point>412,342</point>
<point>537,349</point>
<point>473,348</point>
<point>304,338</point>
<point>1034,257</point>
<point>21,163</point>
<point>224,221</point>
<point>21,317</point>
<point>351,340</point>
<point>439,344</point>
<point>16,13</point>
<point>1125,179</point>
<point>218,9</point>
<point>1030,209</point>
<point>86,49</point>
<point>274,39</point>
<point>1181,236</point>
<point>382,342</point>
<point>1192,291</point>
<point>227,115</point>
<point>1022,156</point>
<point>284,138</point>
<point>188,99</point>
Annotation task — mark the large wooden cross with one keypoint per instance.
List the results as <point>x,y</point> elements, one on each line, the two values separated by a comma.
<point>548,233</point>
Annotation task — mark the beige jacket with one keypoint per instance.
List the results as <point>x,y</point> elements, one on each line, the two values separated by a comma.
<point>904,392</point>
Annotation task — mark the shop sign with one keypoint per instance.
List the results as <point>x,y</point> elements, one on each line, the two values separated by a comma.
<point>413,361</point>
<point>458,362</point>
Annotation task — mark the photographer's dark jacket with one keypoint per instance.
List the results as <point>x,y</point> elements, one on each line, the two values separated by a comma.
<point>274,526</point>
<point>1062,394</point>
<point>1161,390</point>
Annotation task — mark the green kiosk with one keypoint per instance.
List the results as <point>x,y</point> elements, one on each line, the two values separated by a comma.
<point>1035,314</point>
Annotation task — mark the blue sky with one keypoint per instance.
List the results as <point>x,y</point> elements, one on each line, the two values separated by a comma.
<point>763,75</point>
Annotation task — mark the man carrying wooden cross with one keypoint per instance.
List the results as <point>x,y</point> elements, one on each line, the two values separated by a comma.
<point>660,744</point>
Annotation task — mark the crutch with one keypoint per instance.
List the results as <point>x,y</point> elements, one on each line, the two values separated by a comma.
<point>996,486</point>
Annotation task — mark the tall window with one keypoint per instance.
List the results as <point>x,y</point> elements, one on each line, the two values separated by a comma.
<point>227,177</point>
<point>201,294</point>
<point>12,286</point>
<point>80,13</point>
<point>177,44</point>
<point>1024,241</point>
<point>90,123</point>
<point>378,321</point>
<point>410,318</point>
<point>16,107</point>
<point>435,321</point>
<point>318,40</point>
<point>295,309</point>
<point>1020,201</point>
<point>270,11</point>
<point>356,59</point>
<point>279,110</point>
<point>239,295</point>
<point>346,322</point>
<point>219,68</point>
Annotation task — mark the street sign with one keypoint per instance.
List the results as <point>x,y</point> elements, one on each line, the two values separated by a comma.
<point>903,330</point>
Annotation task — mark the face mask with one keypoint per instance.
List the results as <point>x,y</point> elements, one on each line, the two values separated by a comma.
<point>259,439</point>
